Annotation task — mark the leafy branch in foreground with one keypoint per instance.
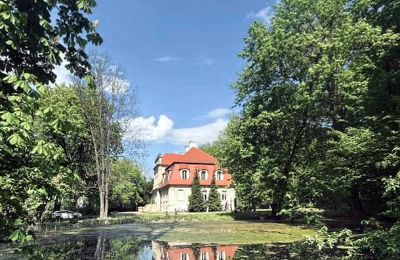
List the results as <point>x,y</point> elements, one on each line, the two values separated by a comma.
<point>32,43</point>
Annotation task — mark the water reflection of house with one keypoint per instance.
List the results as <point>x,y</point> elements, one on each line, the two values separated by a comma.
<point>173,251</point>
<point>173,177</point>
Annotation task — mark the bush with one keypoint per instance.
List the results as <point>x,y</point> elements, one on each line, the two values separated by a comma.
<point>308,213</point>
<point>214,199</point>
<point>379,244</point>
<point>324,245</point>
<point>196,202</point>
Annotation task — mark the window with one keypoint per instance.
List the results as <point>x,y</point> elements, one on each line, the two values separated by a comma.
<point>184,174</point>
<point>221,255</point>
<point>203,175</point>
<point>223,196</point>
<point>204,193</point>
<point>219,175</point>
<point>204,256</point>
<point>185,257</point>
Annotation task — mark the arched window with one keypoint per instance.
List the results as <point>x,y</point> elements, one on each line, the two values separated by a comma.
<point>219,175</point>
<point>203,175</point>
<point>184,174</point>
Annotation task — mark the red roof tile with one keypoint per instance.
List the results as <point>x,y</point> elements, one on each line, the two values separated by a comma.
<point>170,158</point>
<point>194,155</point>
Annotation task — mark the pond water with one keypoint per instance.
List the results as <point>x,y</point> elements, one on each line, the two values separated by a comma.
<point>230,240</point>
<point>104,247</point>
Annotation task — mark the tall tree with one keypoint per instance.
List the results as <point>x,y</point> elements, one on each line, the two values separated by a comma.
<point>107,109</point>
<point>196,202</point>
<point>302,89</point>
<point>214,198</point>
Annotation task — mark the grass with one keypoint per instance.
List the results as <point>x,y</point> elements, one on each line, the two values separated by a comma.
<point>215,232</point>
<point>152,217</point>
<point>137,218</point>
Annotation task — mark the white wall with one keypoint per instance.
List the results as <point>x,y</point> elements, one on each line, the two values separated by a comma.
<point>177,198</point>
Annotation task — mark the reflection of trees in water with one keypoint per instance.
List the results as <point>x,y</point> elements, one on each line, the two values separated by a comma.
<point>99,247</point>
<point>295,251</point>
<point>103,247</point>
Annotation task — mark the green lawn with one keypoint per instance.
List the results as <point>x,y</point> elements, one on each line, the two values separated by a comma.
<point>218,232</point>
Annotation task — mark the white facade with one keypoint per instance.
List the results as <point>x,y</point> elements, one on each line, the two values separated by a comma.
<point>171,199</point>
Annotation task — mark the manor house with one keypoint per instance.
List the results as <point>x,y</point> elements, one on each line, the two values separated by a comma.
<point>173,178</point>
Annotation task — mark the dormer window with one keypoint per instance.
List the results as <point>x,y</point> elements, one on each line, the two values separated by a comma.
<point>184,174</point>
<point>219,175</point>
<point>203,175</point>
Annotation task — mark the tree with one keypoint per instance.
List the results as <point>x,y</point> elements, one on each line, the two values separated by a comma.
<point>300,93</point>
<point>31,44</point>
<point>214,148</point>
<point>214,198</point>
<point>128,187</point>
<point>108,110</point>
<point>196,202</point>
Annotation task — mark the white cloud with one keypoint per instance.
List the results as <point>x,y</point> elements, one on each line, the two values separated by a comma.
<point>219,113</point>
<point>165,59</point>
<point>148,129</point>
<point>162,130</point>
<point>264,15</point>
<point>205,61</point>
<point>201,134</point>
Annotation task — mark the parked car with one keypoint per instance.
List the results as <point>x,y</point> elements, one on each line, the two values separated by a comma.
<point>65,214</point>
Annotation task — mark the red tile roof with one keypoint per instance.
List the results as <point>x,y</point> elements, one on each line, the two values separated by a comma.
<point>194,161</point>
<point>169,158</point>
<point>194,155</point>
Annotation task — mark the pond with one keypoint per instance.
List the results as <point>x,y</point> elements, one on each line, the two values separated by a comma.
<point>103,247</point>
<point>181,241</point>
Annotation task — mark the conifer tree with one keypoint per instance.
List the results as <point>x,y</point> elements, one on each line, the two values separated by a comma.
<point>196,202</point>
<point>214,200</point>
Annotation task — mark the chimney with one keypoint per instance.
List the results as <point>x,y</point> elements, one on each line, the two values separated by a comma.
<point>191,144</point>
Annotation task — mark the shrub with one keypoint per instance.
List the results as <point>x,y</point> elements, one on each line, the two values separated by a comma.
<point>214,199</point>
<point>196,202</point>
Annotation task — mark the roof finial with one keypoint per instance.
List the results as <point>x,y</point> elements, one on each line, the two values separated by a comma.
<point>191,144</point>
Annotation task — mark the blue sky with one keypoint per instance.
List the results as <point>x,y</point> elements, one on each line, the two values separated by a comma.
<point>182,57</point>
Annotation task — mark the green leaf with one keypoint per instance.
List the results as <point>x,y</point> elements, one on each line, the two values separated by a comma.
<point>8,117</point>
<point>11,79</point>
<point>16,139</point>
<point>15,236</point>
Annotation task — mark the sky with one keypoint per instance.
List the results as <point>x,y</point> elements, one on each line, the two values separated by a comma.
<point>181,56</point>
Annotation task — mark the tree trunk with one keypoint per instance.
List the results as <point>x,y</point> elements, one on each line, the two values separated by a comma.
<point>57,203</point>
<point>274,210</point>
<point>101,197</point>
<point>357,209</point>
<point>100,248</point>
